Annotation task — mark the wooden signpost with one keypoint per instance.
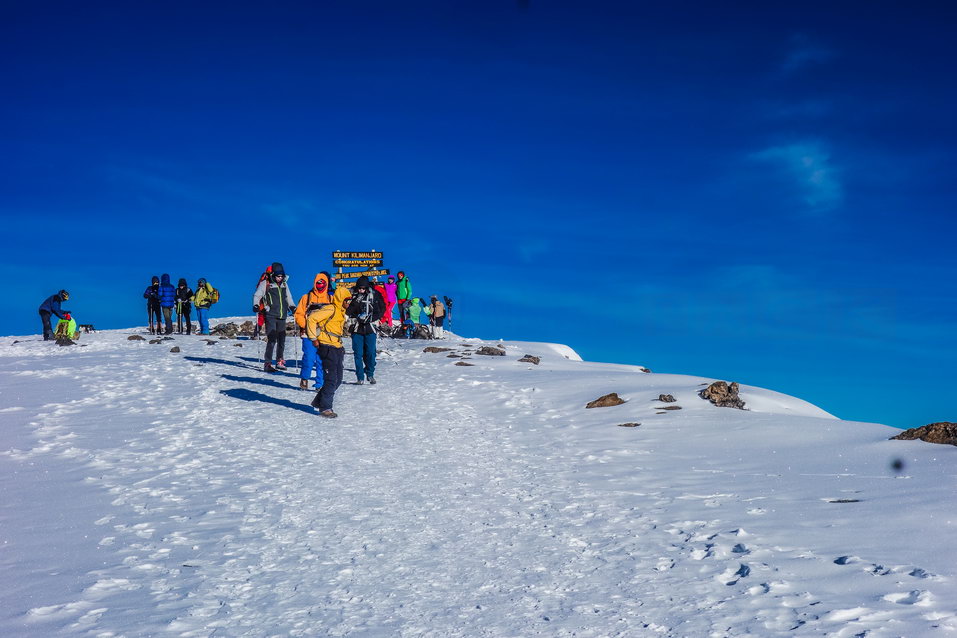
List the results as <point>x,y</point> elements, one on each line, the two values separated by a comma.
<point>370,262</point>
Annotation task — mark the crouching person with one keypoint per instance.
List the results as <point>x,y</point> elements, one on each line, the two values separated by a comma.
<point>324,328</point>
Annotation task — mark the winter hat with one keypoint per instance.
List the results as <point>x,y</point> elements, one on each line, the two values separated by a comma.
<point>277,269</point>
<point>182,282</point>
<point>434,298</point>
<point>391,279</point>
<point>156,279</point>
<point>400,273</point>
<point>202,280</point>
<point>64,295</point>
<point>362,282</point>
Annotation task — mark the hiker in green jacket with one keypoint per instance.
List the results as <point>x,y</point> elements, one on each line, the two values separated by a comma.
<point>403,293</point>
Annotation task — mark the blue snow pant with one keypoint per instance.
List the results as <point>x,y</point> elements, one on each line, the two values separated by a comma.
<point>363,349</point>
<point>331,376</point>
<point>202,314</point>
<point>310,360</point>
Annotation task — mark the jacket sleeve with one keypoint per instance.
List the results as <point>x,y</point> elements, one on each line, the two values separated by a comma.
<point>290,302</point>
<point>260,291</point>
<point>378,306</point>
<point>352,310</point>
<point>300,314</point>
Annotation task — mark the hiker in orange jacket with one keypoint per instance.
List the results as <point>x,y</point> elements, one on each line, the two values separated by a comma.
<point>317,297</point>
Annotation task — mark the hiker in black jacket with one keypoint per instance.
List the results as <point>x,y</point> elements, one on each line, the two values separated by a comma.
<point>184,307</point>
<point>366,307</point>
<point>152,297</point>
<point>273,299</point>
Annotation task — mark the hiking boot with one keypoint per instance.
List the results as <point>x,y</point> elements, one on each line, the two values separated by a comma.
<point>359,382</point>
<point>268,367</point>
<point>329,414</point>
<point>371,381</point>
<point>303,384</point>
<point>281,364</point>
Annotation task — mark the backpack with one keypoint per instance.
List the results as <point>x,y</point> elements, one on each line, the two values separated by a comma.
<point>213,295</point>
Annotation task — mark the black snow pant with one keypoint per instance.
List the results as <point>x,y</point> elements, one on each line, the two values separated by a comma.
<point>47,326</point>
<point>331,358</point>
<point>184,314</point>
<point>275,336</point>
<point>153,313</point>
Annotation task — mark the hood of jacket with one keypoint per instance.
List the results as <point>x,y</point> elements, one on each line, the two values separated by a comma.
<point>165,280</point>
<point>321,297</point>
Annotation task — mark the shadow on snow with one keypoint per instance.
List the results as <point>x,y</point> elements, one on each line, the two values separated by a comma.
<point>251,395</point>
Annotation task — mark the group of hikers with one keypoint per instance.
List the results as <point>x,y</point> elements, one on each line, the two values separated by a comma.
<point>163,299</point>
<point>321,316</point>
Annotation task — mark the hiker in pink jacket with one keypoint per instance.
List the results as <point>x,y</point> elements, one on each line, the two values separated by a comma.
<point>390,299</point>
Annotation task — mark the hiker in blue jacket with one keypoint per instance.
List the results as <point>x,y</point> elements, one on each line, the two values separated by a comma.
<point>167,301</point>
<point>52,307</point>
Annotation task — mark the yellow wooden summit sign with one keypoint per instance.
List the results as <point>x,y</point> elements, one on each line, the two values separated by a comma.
<point>368,259</point>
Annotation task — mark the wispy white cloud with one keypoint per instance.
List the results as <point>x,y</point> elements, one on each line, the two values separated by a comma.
<point>809,165</point>
<point>804,52</point>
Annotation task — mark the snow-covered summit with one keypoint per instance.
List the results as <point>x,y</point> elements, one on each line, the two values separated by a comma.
<point>156,493</point>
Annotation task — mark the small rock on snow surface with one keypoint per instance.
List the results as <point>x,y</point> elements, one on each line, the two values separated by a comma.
<point>606,401</point>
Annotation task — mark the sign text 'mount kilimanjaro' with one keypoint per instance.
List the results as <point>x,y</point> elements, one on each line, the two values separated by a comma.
<point>373,255</point>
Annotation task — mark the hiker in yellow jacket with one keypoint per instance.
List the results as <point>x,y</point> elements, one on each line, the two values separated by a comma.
<point>324,327</point>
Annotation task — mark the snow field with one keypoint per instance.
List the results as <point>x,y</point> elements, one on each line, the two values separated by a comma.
<point>191,494</point>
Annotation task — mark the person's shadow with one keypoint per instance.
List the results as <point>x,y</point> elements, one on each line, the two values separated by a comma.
<point>251,395</point>
<point>267,382</point>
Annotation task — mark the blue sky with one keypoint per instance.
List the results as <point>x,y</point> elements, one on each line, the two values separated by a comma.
<point>760,193</point>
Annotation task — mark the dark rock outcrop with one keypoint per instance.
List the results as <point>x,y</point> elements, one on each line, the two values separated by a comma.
<point>462,363</point>
<point>174,349</point>
<point>530,359</point>
<point>723,395</point>
<point>155,341</point>
<point>491,351</point>
<point>436,349</point>
<point>64,341</point>
<point>606,401</point>
<point>943,432</point>
<point>628,425</point>
<point>135,338</point>
<point>667,398</point>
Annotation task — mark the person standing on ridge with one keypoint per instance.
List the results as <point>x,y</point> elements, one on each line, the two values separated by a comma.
<point>151,295</point>
<point>366,308</point>
<point>437,317</point>
<point>205,297</point>
<point>403,293</point>
<point>184,306</point>
<point>51,306</point>
<point>167,301</point>
<point>273,298</point>
<point>390,299</point>
<point>309,303</point>
<point>415,310</point>
<point>324,327</point>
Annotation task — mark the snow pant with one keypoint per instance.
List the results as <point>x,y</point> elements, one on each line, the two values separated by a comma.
<point>275,337</point>
<point>403,310</point>
<point>184,314</point>
<point>259,325</point>
<point>47,327</point>
<point>438,332</point>
<point>310,360</point>
<point>332,375</point>
<point>168,318</point>
<point>363,349</point>
<point>202,315</point>
<point>387,315</point>
<point>153,313</point>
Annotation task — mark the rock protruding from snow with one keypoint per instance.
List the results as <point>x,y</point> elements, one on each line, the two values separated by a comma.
<point>530,359</point>
<point>943,432</point>
<point>606,401</point>
<point>174,349</point>
<point>491,351</point>
<point>723,395</point>
<point>667,398</point>
<point>436,349</point>
<point>231,330</point>
<point>135,338</point>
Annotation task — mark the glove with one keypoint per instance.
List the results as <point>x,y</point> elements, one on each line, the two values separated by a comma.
<point>364,317</point>
<point>256,309</point>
